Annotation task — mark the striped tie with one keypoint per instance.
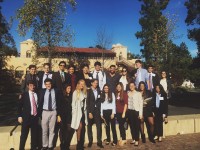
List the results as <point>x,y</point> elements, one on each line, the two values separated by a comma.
<point>34,105</point>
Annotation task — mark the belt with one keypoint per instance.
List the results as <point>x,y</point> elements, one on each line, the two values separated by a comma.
<point>48,110</point>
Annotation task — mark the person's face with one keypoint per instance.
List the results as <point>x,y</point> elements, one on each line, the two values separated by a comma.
<point>157,89</point>
<point>119,88</point>
<point>150,69</point>
<point>132,86</point>
<point>62,67</point>
<point>138,65</point>
<point>32,70</point>
<point>31,87</point>
<point>97,68</point>
<point>112,70</point>
<point>106,89</point>
<point>85,70</point>
<point>142,87</point>
<point>46,68</point>
<point>124,72</point>
<point>71,70</point>
<point>68,89</point>
<point>81,85</point>
<point>95,84</point>
<point>48,85</point>
<point>164,74</point>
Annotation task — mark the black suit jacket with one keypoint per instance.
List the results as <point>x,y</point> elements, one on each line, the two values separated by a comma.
<point>155,80</point>
<point>163,108</point>
<point>58,96</point>
<point>57,81</point>
<point>91,101</point>
<point>24,107</point>
<point>27,78</point>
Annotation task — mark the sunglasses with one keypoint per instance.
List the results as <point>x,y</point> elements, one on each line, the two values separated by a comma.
<point>124,71</point>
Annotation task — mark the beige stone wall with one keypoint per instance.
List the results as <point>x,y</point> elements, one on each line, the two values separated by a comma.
<point>120,50</point>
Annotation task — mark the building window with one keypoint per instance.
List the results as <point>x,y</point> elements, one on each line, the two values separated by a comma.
<point>28,54</point>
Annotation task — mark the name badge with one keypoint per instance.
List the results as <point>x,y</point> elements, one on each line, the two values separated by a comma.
<point>90,78</point>
<point>98,96</point>
<point>153,74</point>
<point>161,98</point>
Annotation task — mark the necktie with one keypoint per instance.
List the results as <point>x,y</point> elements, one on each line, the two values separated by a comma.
<point>62,77</point>
<point>34,105</point>
<point>97,76</point>
<point>47,76</point>
<point>50,101</point>
<point>150,81</point>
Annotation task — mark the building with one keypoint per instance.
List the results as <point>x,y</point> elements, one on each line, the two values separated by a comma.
<point>116,56</point>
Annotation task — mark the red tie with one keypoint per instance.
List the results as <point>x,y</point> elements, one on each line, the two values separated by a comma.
<point>34,105</point>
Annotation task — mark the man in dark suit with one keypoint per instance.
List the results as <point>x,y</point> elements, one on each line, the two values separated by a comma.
<point>61,78</point>
<point>28,115</point>
<point>49,110</point>
<point>93,108</point>
<point>30,76</point>
<point>44,75</point>
<point>153,78</point>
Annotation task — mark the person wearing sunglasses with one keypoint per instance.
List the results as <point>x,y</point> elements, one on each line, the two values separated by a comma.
<point>125,79</point>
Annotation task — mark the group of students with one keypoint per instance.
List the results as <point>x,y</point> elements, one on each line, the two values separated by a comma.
<point>58,104</point>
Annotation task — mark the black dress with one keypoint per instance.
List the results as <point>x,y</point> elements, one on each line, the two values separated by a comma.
<point>147,108</point>
<point>67,109</point>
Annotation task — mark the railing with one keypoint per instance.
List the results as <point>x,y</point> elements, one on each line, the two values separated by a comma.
<point>125,61</point>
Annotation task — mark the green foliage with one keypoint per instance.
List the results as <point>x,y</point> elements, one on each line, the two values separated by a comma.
<point>7,48</point>
<point>46,18</point>
<point>193,19</point>
<point>133,56</point>
<point>154,31</point>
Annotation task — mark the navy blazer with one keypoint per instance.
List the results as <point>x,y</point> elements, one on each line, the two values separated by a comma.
<point>58,101</point>
<point>91,101</point>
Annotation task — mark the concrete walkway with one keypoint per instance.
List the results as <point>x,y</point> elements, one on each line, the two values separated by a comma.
<point>177,142</point>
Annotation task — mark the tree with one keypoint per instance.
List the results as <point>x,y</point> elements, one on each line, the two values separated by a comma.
<point>46,18</point>
<point>193,19</point>
<point>7,48</point>
<point>103,41</point>
<point>154,31</point>
<point>133,56</point>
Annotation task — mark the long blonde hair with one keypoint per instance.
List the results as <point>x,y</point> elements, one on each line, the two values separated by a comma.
<point>84,90</point>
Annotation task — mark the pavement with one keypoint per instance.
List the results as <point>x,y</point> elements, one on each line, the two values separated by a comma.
<point>177,142</point>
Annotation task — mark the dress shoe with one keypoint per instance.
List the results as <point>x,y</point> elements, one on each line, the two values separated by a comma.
<point>143,138</point>
<point>90,144</point>
<point>100,145</point>
<point>113,144</point>
<point>45,148</point>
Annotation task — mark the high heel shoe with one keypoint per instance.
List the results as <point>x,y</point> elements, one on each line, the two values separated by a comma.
<point>160,139</point>
<point>136,143</point>
<point>132,142</point>
<point>122,142</point>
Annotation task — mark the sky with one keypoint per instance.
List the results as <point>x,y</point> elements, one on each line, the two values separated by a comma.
<point>120,18</point>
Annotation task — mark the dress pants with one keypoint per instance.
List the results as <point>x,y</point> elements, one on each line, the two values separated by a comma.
<point>158,123</point>
<point>31,122</point>
<point>97,120</point>
<point>134,123</point>
<point>107,117</point>
<point>121,122</point>
<point>48,126</point>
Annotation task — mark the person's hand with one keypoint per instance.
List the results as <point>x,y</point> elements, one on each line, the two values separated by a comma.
<point>140,117</point>
<point>102,117</point>
<point>166,120</point>
<point>90,116</point>
<point>153,114</point>
<point>20,96</point>
<point>59,119</point>
<point>20,120</point>
<point>123,115</point>
<point>112,116</point>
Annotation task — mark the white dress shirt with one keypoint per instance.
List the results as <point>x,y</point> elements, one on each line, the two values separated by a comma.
<point>31,97</point>
<point>124,81</point>
<point>102,78</point>
<point>45,77</point>
<point>163,82</point>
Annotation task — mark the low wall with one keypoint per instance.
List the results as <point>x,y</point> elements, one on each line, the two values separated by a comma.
<point>181,124</point>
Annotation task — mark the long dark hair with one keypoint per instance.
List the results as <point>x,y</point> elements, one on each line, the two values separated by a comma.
<point>162,91</point>
<point>121,92</point>
<point>103,94</point>
<point>64,91</point>
<point>145,93</point>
